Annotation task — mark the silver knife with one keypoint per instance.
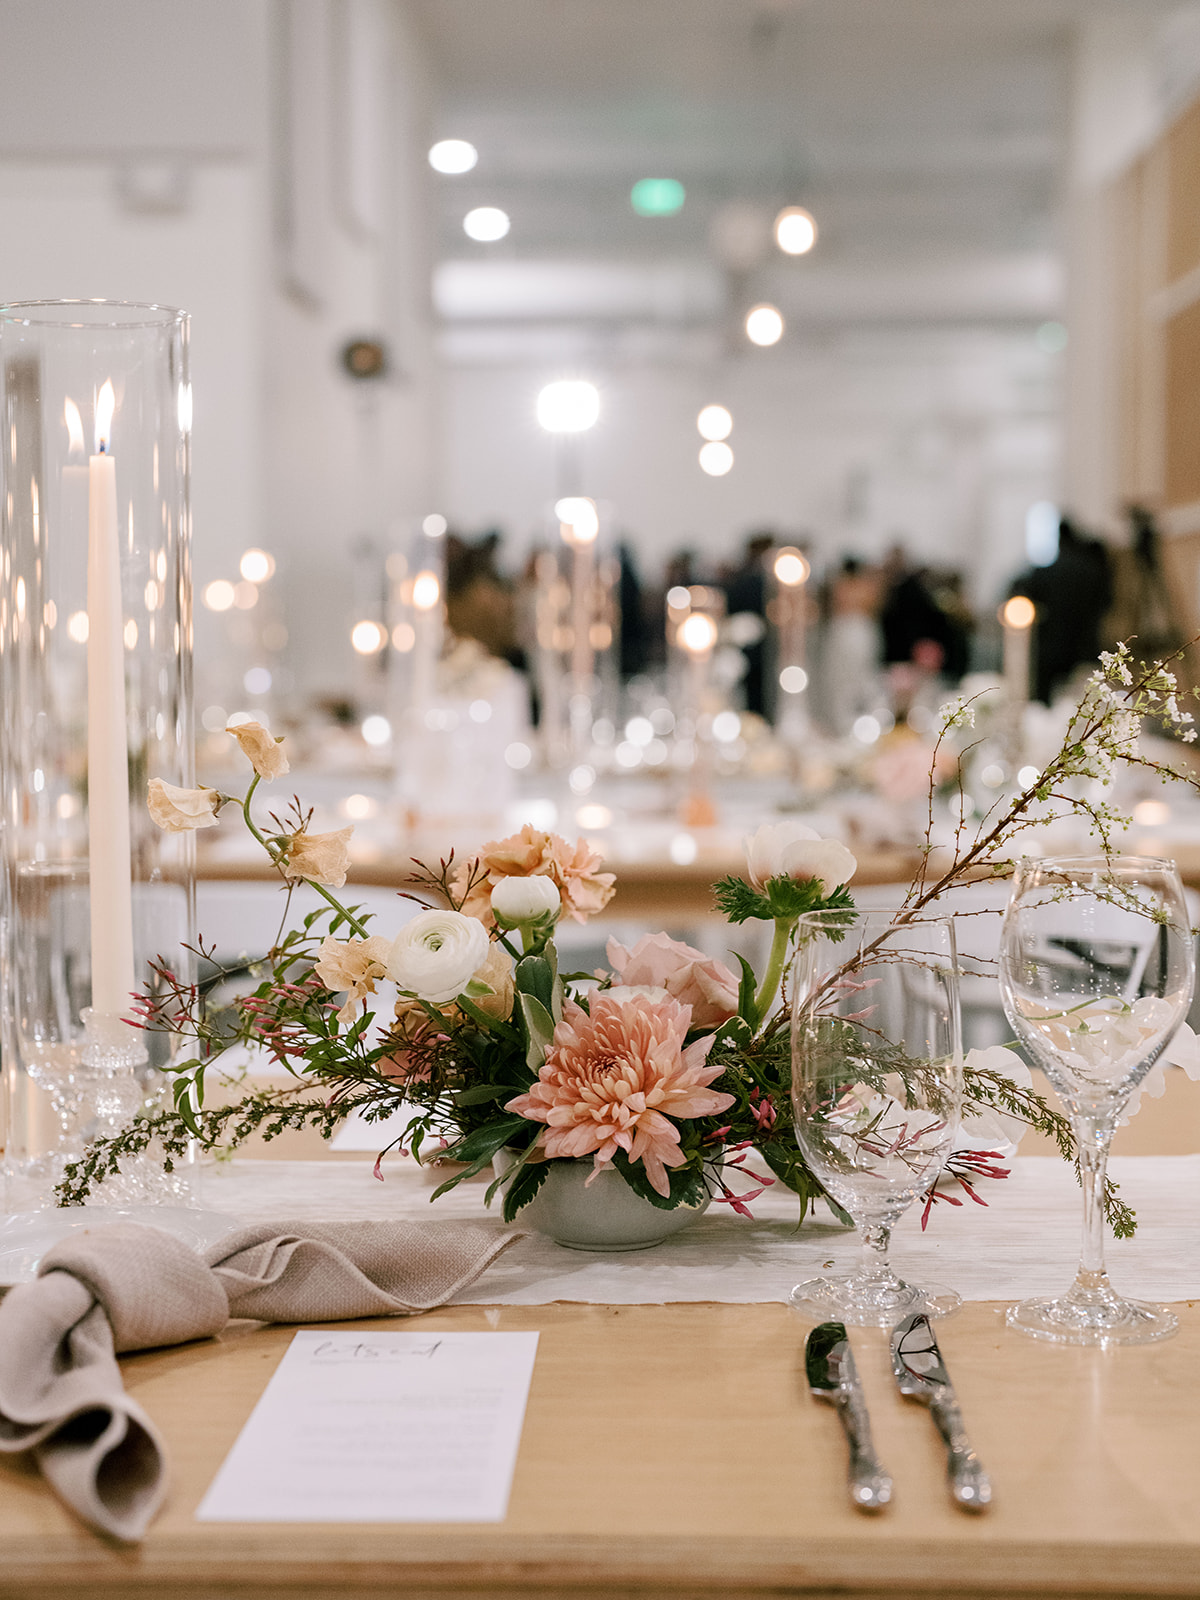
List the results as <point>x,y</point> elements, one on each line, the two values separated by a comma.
<point>832,1376</point>
<point>921,1374</point>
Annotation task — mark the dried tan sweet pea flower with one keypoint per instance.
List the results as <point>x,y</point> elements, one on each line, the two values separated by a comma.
<point>320,857</point>
<point>352,966</point>
<point>181,810</point>
<point>261,749</point>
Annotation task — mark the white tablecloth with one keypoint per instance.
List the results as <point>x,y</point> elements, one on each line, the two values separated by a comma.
<point>1024,1242</point>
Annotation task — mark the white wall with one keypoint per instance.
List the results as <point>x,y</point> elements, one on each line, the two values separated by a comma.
<point>146,154</point>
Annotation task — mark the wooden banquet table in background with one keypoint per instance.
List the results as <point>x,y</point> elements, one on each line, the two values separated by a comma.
<point>673,1450</point>
<point>649,886</point>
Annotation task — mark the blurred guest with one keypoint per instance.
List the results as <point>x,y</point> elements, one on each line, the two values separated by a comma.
<point>915,628</point>
<point>1071,595</point>
<point>1150,609</point>
<point>479,602</point>
<point>746,595</point>
<point>852,643</point>
<point>633,649</point>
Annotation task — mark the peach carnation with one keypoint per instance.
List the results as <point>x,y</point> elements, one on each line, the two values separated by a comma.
<point>688,975</point>
<point>573,869</point>
<point>613,1080</point>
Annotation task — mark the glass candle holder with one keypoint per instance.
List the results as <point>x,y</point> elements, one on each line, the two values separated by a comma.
<point>95,666</point>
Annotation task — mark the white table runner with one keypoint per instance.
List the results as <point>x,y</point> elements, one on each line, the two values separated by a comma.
<point>1024,1242</point>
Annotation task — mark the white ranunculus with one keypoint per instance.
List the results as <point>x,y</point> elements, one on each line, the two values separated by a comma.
<point>519,900</point>
<point>1183,1051</point>
<point>986,1128</point>
<point>436,955</point>
<point>794,850</point>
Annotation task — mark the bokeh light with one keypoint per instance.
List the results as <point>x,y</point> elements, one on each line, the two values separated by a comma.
<point>486,224</point>
<point>795,231</point>
<point>764,325</point>
<point>715,422</point>
<point>452,156</point>
<point>716,458</point>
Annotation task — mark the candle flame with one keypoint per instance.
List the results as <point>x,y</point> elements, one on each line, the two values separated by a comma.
<point>74,424</point>
<point>106,404</point>
<point>1018,612</point>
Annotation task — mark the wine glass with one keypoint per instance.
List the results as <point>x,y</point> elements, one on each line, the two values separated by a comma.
<point>1096,970</point>
<point>876,1090</point>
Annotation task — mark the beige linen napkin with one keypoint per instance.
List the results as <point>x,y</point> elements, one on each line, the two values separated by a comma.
<point>128,1287</point>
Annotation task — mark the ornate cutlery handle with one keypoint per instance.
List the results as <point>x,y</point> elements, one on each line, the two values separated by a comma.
<point>969,1483</point>
<point>870,1485</point>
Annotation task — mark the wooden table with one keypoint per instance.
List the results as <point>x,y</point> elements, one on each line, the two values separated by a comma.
<point>654,889</point>
<point>674,1451</point>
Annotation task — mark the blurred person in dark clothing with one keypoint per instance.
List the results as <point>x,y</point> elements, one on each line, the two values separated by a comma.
<point>1071,595</point>
<point>746,592</point>
<point>479,601</point>
<point>915,628</point>
<point>633,628</point>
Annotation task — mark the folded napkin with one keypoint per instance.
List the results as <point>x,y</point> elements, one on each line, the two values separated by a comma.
<point>128,1287</point>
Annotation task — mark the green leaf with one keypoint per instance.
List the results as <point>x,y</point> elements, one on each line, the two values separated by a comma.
<point>490,1024</point>
<point>792,897</point>
<point>483,1092</point>
<point>539,1025</point>
<point>746,990</point>
<point>686,1184</point>
<point>737,1030</point>
<point>534,976</point>
<point>477,1150</point>
<point>738,902</point>
<point>484,1142</point>
<point>523,1188</point>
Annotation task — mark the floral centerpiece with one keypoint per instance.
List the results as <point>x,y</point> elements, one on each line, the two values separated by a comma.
<point>668,1066</point>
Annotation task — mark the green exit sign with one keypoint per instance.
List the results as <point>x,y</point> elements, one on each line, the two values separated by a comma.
<point>657,197</point>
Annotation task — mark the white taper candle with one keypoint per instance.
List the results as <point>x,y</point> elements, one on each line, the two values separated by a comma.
<point>109,856</point>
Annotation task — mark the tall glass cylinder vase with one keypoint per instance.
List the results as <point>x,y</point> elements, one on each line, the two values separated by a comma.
<point>96,679</point>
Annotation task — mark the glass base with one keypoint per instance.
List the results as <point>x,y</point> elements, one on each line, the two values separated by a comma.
<point>867,1303</point>
<point>1099,1319</point>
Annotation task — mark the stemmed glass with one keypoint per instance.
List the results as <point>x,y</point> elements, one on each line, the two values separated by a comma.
<point>876,1090</point>
<point>1096,970</point>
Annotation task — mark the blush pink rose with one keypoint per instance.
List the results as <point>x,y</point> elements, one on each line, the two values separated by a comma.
<point>688,975</point>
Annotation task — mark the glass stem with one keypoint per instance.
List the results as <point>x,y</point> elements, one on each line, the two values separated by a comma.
<point>876,1236</point>
<point>1093,1135</point>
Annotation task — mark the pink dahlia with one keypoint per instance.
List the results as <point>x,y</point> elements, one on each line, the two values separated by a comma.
<point>613,1080</point>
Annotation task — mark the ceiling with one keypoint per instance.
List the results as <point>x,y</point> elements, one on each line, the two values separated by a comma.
<point>928,138</point>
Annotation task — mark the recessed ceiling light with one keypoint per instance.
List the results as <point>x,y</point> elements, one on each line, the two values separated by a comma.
<point>764,325</point>
<point>716,458</point>
<point>453,156</point>
<point>715,422</point>
<point>795,231</point>
<point>571,405</point>
<point>486,224</point>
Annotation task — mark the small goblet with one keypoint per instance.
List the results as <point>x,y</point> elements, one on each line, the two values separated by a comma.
<point>1097,964</point>
<point>876,1090</point>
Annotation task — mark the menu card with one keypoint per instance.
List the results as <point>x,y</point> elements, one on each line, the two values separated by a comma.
<point>381,1427</point>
